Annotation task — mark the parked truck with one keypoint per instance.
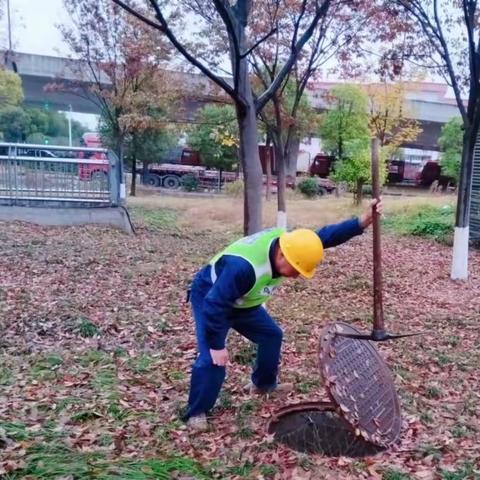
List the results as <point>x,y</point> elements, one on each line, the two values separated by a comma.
<point>420,174</point>
<point>175,164</point>
<point>88,171</point>
<point>319,168</point>
<point>185,161</point>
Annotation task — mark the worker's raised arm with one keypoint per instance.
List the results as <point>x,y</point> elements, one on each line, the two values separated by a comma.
<point>366,218</point>
<point>336,234</point>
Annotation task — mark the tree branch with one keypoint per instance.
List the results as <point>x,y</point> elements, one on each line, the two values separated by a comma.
<point>469,22</point>
<point>141,17</point>
<point>164,28</point>
<point>267,95</point>
<point>435,32</point>
<point>448,62</point>
<point>250,50</point>
<point>225,14</point>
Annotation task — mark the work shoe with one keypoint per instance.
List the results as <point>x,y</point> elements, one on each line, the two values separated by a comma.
<point>280,388</point>
<point>198,423</point>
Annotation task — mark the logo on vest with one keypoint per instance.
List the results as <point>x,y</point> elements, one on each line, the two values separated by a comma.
<point>267,291</point>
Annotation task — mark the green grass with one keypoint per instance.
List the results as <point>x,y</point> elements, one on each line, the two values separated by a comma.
<point>6,376</point>
<point>307,385</point>
<point>433,391</point>
<point>50,462</point>
<point>424,221</point>
<point>461,431</point>
<point>426,450</point>
<point>225,400</point>
<point>68,401</point>
<point>158,219</point>
<point>245,354</point>
<point>176,375</point>
<point>453,340</point>
<point>268,470</point>
<point>242,470</point>
<point>87,329</point>
<point>243,419</point>
<point>140,364</point>
<point>391,474</point>
<point>16,431</point>
<point>465,472</point>
<point>94,357</point>
<point>44,366</point>
<point>427,417</point>
<point>48,458</point>
<point>105,379</point>
<point>116,411</point>
<point>443,359</point>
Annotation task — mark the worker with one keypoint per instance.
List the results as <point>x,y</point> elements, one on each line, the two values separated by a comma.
<point>230,292</point>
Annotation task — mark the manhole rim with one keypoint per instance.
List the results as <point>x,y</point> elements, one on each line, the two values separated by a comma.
<point>320,406</point>
<point>316,406</point>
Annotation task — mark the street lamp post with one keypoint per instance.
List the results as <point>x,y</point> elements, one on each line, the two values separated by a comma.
<point>70,126</point>
<point>9,27</point>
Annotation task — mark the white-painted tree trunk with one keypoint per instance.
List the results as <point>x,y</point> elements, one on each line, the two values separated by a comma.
<point>123,191</point>
<point>281,219</point>
<point>460,254</point>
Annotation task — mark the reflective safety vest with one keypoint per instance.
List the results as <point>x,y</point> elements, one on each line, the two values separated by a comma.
<point>255,249</point>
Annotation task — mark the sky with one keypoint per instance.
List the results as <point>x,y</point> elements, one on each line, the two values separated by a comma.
<point>33,26</point>
<point>34,31</point>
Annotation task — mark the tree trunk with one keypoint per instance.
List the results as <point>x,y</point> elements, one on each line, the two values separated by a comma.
<point>219,180</point>
<point>268,167</point>
<point>119,148</point>
<point>144,168</point>
<point>248,148</point>
<point>281,186</point>
<point>133,185</point>
<point>292,156</point>
<point>462,221</point>
<point>252,170</point>
<point>359,192</point>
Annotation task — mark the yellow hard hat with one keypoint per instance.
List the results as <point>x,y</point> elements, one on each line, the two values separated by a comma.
<point>303,250</point>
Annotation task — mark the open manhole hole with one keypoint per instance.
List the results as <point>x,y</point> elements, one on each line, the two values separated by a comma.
<point>315,427</point>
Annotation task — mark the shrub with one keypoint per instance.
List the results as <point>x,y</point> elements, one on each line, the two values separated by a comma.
<point>234,189</point>
<point>424,221</point>
<point>308,187</point>
<point>190,183</point>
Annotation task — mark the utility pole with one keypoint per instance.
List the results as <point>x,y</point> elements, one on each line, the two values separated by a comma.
<point>70,126</point>
<point>9,27</point>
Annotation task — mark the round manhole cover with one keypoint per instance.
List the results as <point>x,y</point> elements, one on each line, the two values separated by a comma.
<point>315,427</point>
<point>360,384</point>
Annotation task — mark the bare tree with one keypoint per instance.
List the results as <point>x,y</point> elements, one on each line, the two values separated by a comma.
<point>289,115</point>
<point>120,59</point>
<point>234,20</point>
<point>451,48</point>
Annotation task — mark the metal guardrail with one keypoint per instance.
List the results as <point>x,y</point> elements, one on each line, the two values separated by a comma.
<point>51,174</point>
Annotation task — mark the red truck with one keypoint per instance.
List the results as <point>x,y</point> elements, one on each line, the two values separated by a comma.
<point>88,171</point>
<point>415,174</point>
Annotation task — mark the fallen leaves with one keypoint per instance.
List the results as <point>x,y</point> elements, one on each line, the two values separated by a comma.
<point>122,390</point>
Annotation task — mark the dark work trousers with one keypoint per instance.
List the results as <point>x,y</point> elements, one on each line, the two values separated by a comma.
<point>207,378</point>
